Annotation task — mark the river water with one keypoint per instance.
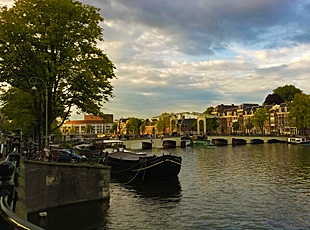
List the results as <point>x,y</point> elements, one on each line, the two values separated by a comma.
<point>245,187</point>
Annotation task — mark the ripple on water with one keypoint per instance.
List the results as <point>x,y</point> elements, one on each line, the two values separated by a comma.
<point>244,187</point>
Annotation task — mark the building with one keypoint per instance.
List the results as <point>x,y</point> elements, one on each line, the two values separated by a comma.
<point>276,124</point>
<point>227,115</point>
<point>278,120</point>
<point>90,124</point>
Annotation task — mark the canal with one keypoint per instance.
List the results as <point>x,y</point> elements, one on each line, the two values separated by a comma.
<point>245,187</point>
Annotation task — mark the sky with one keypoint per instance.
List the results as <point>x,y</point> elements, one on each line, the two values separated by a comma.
<point>187,55</point>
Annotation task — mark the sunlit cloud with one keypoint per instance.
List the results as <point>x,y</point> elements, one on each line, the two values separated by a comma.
<point>179,55</point>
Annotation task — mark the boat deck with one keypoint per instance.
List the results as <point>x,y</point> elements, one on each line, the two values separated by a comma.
<point>127,156</point>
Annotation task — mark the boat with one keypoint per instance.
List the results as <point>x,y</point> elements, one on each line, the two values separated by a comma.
<point>186,140</point>
<point>99,147</point>
<point>131,166</point>
<point>298,140</point>
<point>141,167</point>
<point>201,142</point>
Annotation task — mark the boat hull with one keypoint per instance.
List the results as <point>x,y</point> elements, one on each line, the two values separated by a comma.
<point>146,168</point>
<point>298,140</point>
<point>202,143</point>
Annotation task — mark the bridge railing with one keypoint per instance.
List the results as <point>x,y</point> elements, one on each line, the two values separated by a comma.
<point>9,173</point>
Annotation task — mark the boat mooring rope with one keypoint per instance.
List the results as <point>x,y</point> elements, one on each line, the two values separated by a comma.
<point>126,169</point>
<point>136,174</point>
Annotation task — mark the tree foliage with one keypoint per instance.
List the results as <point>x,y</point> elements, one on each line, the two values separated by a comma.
<point>114,128</point>
<point>142,128</point>
<point>272,99</point>
<point>173,125</point>
<point>19,111</point>
<point>211,124</point>
<point>236,126</point>
<point>133,125</point>
<point>287,92</point>
<point>299,109</point>
<point>89,128</point>
<point>209,110</point>
<point>53,44</point>
<point>73,130</point>
<point>250,123</point>
<point>259,118</point>
<point>194,125</point>
<point>163,123</point>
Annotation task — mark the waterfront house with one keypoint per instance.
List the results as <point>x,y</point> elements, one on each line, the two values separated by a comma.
<point>99,126</point>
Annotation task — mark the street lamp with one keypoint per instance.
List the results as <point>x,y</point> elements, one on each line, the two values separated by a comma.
<point>33,80</point>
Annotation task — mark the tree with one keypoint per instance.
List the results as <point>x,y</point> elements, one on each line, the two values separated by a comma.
<point>249,124</point>
<point>163,123</point>
<point>299,109</point>
<point>89,129</point>
<point>19,112</point>
<point>114,128</point>
<point>73,130</point>
<point>53,44</point>
<point>287,92</point>
<point>194,125</point>
<point>209,110</point>
<point>273,99</point>
<point>211,124</point>
<point>142,128</point>
<point>259,118</point>
<point>173,125</point>
<point>236,126</point>
<point>133,125</point>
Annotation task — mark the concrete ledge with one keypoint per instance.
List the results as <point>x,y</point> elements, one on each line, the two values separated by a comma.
<point>49,185</point>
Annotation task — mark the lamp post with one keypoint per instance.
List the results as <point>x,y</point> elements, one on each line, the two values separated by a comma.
<point>33,80</point>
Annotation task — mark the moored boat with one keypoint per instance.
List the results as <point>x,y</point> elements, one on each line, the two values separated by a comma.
<point>99,146</point>
<point>201,141</point>
<point>298,140</point>
<point>135,167</point>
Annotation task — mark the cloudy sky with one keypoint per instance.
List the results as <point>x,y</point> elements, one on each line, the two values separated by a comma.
<point>187,55</point>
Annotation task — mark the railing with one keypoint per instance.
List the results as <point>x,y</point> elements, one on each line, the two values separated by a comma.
<point>9,173</point>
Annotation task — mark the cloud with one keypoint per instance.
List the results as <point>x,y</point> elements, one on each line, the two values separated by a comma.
<point>7,3</point>
<point>174,56</point>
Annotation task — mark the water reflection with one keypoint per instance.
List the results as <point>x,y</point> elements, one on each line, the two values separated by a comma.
<point>90,215</point>
<point>156,189</point>
<point>244,187</point>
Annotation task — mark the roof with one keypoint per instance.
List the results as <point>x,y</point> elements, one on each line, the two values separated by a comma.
<point>90,119</point>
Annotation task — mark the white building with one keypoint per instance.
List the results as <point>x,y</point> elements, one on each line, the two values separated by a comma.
<point>99,125</point>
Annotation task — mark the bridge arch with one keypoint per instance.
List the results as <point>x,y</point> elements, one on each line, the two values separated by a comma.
<point>199,120</point>
<point>257,141</point>
<point>219,141</point>
<point>238,141</point>
<point>273,141</point>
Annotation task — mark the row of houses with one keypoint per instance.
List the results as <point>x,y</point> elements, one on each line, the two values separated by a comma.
<point>226,115</point>
<point>276,124</point>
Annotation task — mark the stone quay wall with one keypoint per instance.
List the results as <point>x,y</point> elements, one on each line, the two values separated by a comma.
<point>49,185</point>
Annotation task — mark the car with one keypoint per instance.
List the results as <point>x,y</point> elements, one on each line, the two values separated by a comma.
<point>64,156</point>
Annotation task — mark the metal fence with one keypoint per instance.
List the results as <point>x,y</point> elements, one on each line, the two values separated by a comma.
<point>9,173</point>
